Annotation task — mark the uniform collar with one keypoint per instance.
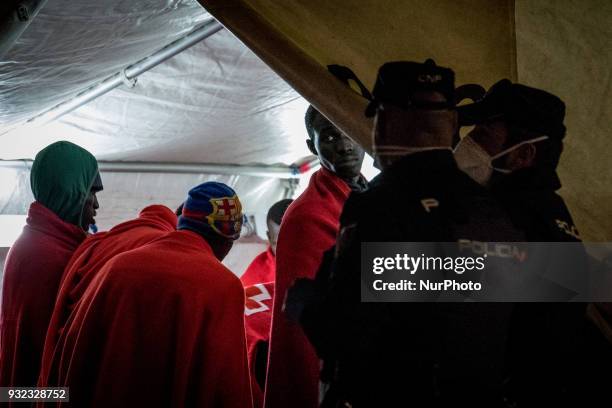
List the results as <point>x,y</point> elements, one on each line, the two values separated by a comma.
<point>527,179</point>
<point>435,161</point>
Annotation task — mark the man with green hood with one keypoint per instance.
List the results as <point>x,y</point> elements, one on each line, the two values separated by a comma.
<point>64,180</point>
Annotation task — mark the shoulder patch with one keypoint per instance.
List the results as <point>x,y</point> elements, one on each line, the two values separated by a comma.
<point>567,228</point>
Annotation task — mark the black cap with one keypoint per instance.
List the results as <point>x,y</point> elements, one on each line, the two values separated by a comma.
<point>527,108</point>
<point>397,81</point>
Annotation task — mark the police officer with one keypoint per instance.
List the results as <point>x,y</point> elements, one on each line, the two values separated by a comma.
<point>514,150</point>
<point>425,354</point>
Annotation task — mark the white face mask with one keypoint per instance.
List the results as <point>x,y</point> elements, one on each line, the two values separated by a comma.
<point>473,160</point>
<point>388,147</point>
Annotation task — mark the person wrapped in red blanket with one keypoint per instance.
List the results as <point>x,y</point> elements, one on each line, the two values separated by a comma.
<point>263,267</point>
<point>162,325</point>
<point>257,319</point>
<point>309,228</point>
<point>258,282</point>
<point>64,181</point>
<point>152,222</point>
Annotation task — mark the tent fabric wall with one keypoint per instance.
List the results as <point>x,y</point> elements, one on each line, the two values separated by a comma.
<point>239,258</point>
<point>3,254</point>
<point>125,194</point>
<point>299,39</point>
<point>565,47</point>
<point>242,254</point>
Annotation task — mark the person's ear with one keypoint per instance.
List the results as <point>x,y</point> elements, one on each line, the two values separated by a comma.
<point>522,158</point>
<point>311,147</point>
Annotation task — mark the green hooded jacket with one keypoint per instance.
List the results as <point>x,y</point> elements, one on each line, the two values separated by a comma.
<point>61,178</point>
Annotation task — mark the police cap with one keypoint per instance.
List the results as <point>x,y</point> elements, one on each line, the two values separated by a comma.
<point>397,82</point>
<point>518,105</point>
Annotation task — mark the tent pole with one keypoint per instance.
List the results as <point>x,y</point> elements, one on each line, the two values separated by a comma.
<point>15,19</point>
<point>127,75</point>
<point>278,171</point>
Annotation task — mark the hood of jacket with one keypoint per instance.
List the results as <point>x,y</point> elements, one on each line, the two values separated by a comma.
<point>61,178</point>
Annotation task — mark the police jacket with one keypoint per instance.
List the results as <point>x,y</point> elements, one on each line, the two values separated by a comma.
<point>549,343</point>
<point>530,198</point>
<point>395,354</point>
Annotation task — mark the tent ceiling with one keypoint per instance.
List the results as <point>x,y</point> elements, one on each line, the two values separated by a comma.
<point>563,46</point>
<point>72,44</point>
<point>218,103</point>
<point>213,103</point>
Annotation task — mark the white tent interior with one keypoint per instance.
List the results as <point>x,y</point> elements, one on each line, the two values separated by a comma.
<point>216,111</point>
<point>212,112</point>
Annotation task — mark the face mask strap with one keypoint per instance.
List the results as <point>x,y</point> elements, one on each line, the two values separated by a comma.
<point>389,150</point>
<point>502,153</point>
<point>516,146</point>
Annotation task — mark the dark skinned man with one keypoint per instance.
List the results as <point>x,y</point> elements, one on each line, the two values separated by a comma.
<point>65,180</point>
<point>258,282</point>
<point>166,318</point>
<point>309,228</point>
<point>263,267</point>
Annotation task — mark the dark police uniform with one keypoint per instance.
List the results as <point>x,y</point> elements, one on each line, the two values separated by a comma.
<point>546,339</point>
<point>550,343</point>
<point>411,354</point>
<point>534,206</point>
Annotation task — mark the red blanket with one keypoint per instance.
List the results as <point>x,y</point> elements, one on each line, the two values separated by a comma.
<point>161,325</point>
<point>152,222</point>
<point>258,282</point>
<point>257,319</point>
<point>32,274</point>
<point>309,228</point>
<point>262,269</point>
